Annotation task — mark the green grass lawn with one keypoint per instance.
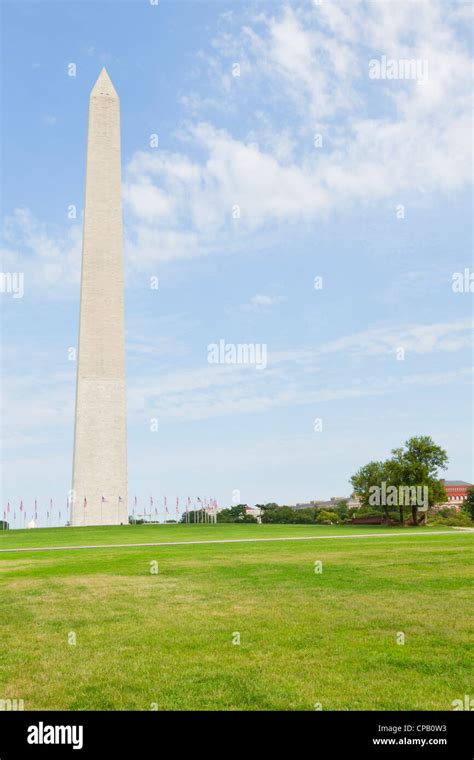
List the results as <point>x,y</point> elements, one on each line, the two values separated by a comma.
<point>158,533</point>
<point>305,638</point>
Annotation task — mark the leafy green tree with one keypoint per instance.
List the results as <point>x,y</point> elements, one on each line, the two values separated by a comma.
<point>288,515</point>
<point>283,515</point>
<point>249,519</point>
<point>233,514</point>
<point>415,465</point>
<point>326,517</point>
<point>371,476</point>
<point>418,464</point>
<point>468,505</point>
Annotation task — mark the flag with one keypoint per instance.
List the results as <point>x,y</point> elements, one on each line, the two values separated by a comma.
<point>104,500</point>
<point>177,505</point>
<point>134,505</point>
<point>85,502</point>
<point>21,506</point>
<point>8,507</point>
<point>36,510</point>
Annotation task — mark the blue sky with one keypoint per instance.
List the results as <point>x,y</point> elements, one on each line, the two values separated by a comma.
<point>378,206</point>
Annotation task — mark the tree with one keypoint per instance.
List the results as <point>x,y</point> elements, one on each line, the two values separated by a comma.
<point>249,519</point>
<point>232,514</point>
<point>468,505</point>
<point>326,517</point>
<point>408,478</point>
<point>288,515</point>
<point>369,477</point>
<point>417,465</point>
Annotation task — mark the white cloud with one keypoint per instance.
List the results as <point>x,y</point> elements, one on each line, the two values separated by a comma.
<point>261,302</point>
<point>49,258</point>
<point>416,339</point>
<point>307,70</point>
<point>217,390</point>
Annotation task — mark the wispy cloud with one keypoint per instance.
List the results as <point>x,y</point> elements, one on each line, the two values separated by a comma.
<point>46,255</point>
<point>261,302</point>
<point>416,140</point>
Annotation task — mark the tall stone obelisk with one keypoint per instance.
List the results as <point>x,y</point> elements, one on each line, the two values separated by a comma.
<point>99,490</point>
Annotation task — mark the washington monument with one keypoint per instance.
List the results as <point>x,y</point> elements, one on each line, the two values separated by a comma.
<point>99,494</point>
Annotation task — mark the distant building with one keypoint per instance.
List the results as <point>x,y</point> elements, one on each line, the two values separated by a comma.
<point>352,503</point>
<point>254,512</point>
<point>456,491</point>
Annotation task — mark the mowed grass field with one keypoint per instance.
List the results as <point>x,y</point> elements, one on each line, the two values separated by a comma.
<point>164,640</point>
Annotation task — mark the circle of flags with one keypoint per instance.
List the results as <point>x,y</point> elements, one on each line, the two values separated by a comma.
<point>204,511</point>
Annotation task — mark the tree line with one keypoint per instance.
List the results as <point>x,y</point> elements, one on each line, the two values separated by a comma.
<point>404,487</point>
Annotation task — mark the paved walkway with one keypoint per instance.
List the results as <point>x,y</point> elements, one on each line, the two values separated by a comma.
<point>415,534</point>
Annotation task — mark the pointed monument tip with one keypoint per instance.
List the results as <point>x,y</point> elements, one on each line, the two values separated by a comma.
<point>103,86</point>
